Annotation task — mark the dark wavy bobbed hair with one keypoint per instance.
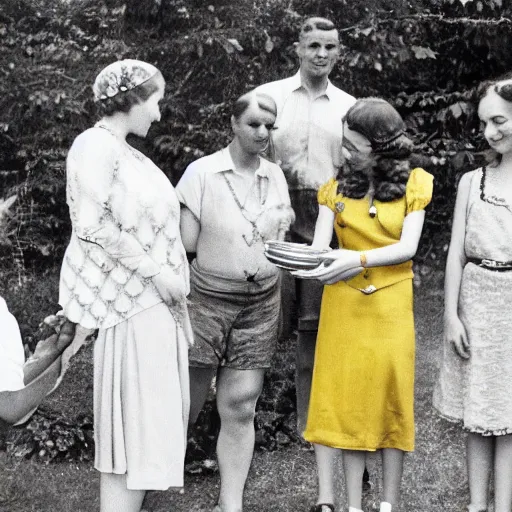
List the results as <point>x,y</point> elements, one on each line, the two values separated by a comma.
<point>387,166</point>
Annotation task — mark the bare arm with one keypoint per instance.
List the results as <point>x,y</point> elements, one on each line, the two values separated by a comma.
<point>14,405</point>
<point>344,262</point>
<point>190,229</point>
<point>323,228</point>
<point>456,260</point>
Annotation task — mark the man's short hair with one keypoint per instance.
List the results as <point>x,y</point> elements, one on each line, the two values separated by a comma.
<point>316,23</point>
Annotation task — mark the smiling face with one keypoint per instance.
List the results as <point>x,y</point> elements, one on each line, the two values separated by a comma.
<point>253,127</point>
<point>142,115</point>
<point>495,115</point>
<point>318,51</point>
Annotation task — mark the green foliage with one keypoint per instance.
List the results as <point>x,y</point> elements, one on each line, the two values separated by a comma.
<point>425,56</point>
<point>50,438</point>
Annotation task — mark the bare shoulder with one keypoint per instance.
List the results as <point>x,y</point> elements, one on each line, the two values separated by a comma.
<point>467,178</point>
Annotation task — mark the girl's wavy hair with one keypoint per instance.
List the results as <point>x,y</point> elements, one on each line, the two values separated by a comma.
<point>388,162</point>
<point>124,101</point>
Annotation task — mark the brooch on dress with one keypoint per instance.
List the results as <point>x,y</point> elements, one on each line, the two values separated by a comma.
<point>339,206</point>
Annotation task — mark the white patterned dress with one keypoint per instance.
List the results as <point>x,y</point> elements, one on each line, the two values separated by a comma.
<point>125,219</point>
<point>478,391</point>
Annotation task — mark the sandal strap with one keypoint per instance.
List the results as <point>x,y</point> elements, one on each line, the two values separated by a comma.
<point>320,507</point>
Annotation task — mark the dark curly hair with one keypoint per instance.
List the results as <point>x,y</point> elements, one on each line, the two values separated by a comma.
<point>388,165</point>
<point>503,90</point>
<point>124,101</point>
<point>502,86</point>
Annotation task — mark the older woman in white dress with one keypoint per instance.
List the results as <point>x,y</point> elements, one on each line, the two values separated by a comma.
<point>125,272</point>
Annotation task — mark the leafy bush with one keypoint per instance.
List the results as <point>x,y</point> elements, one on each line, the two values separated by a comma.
<point>424,56</point>
<point>50,438</point>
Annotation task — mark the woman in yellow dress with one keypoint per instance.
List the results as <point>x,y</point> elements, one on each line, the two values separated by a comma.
<point>363,379</point>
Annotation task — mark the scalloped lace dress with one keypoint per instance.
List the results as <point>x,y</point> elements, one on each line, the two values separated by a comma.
<point>478,391</point>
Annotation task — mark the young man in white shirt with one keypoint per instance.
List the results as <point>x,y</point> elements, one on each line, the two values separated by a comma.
<point>307,140</point>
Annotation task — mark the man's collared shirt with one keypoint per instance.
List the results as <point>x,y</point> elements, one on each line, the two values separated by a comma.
<point>308,132</point>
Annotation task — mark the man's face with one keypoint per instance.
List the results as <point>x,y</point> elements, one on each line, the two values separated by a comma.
<point>318,51</point>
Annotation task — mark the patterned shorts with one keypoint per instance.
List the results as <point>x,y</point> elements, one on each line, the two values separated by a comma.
<point>234,329</point>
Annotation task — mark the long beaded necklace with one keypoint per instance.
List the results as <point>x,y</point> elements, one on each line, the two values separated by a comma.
<point>256,234</point>
<point>137,154</point>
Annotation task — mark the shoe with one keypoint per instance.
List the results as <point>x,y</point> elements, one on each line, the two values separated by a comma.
<point>385,506</point>
<point>322,507</point>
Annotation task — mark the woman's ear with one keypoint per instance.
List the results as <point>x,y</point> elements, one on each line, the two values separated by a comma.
<point>297,48</point>
<point>233,123</point>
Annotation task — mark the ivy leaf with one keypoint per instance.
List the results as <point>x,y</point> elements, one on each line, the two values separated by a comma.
<point>378,66</point>
<point>354,60</point>
<point>269,45</point>
<point>367,31</point>
<point>423,52</point>
<point>236,44</point>
<point>464,2</point>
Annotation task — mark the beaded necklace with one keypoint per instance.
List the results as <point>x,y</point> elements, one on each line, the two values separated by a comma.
<point>256,234</point>
<point>137,154</point>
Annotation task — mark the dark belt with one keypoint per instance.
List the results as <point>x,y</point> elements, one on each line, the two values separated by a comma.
<point>498,266</point>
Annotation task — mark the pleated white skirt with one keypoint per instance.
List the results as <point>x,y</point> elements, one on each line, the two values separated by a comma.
<point>141,399</point>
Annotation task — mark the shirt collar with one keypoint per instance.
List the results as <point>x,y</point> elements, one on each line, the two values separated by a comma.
<point>226,164</point>
<point>296,83</point>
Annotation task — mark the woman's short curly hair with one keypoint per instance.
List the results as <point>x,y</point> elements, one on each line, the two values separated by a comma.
<point>124,101</point>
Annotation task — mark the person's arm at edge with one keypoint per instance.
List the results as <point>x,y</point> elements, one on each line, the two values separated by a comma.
<point>14,405</point>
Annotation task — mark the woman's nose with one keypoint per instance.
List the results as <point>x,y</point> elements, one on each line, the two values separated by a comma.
<point>490,131</point>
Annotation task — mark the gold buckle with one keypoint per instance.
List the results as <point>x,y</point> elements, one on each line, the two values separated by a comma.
<point>369,289</point>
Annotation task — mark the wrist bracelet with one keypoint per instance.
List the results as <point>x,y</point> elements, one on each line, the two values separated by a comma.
<point>362,259</point>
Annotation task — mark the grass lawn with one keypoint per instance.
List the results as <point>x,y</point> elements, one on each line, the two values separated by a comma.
<point>282,481</point>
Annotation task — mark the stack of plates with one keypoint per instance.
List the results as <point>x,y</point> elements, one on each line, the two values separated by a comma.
<point>291,256</point>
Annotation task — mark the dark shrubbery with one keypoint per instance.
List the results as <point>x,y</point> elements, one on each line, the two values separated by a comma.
<point>423,55</point>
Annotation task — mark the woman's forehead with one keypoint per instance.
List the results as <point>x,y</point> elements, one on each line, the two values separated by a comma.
<point>492,105</point>
<point>255,113</point>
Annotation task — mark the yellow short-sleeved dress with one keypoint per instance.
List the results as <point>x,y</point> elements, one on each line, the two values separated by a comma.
<point>363,379</point>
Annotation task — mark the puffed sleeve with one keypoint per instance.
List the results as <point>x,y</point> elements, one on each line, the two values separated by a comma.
<point>190,188</point>
<point>327,194</point>
<point>91,168</point>
<point>418,192</point>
